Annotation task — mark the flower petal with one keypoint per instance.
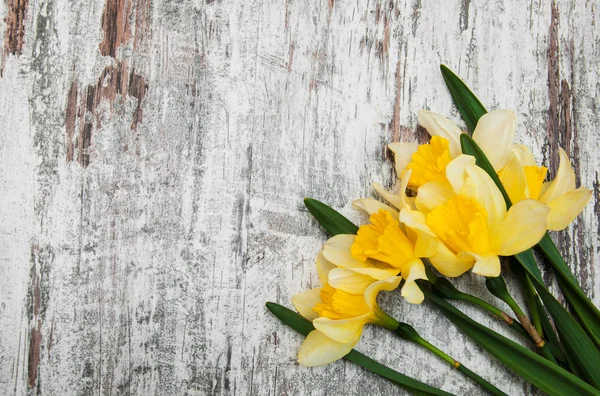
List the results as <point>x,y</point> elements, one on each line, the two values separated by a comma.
<point>522,227</point>
<point>563,182</point>
<point>323,268</point>
<point>449,264</point>
<point>494,133</point>
<point>438,125</point>
<point>480,186</point>
<point>402,154</point>
<point>425,240</point>
<point>565,208</point>
<point>410,290</point>
<point>349,281</point>
<point>370,206</point>
<point>456,171</point>
<point>377,273</point>
<point>394,199</point>
<point>318,349</point>
<point>513,179</point>
<point>305,301</point>
<point>337,251</point>
<point>486,264</point>
<point>342,330</point>
<point>433,194</point>
<point>524,155</point>
<point>372,291</point>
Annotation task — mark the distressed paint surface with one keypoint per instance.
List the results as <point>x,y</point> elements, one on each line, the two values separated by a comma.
<point>154,156</point>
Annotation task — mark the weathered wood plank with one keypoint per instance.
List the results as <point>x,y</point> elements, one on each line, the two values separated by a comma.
<point>154,156</point>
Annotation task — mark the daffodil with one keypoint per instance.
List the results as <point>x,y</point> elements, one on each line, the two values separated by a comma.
<point>386,240</point>
<point>339,318</point>
<point>469,216</point>
<point>494,134</point>
<point>523,178</point>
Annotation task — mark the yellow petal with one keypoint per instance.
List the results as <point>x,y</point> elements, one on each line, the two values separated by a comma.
<point>433,194</point>
<point>377,273</point>
<point>565,208</point>
<point>525,156</point>
<point>349,281</point>
<point>513,178</point>
<point>323,268</point>
<point>523,226</point>
<point>564,181</point>
<point>402,154</point>
<point>494,133</point>
<point>305,301</point>
<point>449,264</point>
<point>342,330</point>
<point>337,251</point>
<point>394,199</point>
<point>410,290</point>
<point>318,349</point>
<point>486,265</point>
<point>438,125</point>
<point>481,187</point>
<point>370,206</point>
<point>372,291</point>
<point>425,241</point>
<point>456,171</point>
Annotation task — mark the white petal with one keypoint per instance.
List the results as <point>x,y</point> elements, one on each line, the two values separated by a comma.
<point>482,188</point>
<point>318,349</point>
<point>522,227</point>
<point>337,251</point>
<point>565,208</point>
<point>371,206</point>
<point>525,156</point>
<point>323,267</point>
<point>349,281</point>
<point>305,301</point>
<point>563,182</point>
<point>425,241</point>
<point>432,195</point>
<point>449,264</point>
<point>394,199</point>
<point>494,133</point>
<point>456,171</point>
<point>410,290</point>
<point>438,125</point>
<point>372,291</point>
<point>402,154</point>
<point>343,330</point>
<point>486,265</point>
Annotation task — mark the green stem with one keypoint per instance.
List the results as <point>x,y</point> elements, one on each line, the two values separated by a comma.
<point>408,333</point>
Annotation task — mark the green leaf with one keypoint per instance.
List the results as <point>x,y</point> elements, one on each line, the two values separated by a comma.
<point>471,110</point>
<point>584,308</point>
<point>333,222</point>
<point>468,105</point>
<point>538,371</point>
<point>577,345</point>
<point>304,327</point>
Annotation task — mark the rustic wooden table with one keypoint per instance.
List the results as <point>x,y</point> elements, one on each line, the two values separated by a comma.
<point>154,156</point>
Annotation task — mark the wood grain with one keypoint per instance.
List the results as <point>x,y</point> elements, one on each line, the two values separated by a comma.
<point>154,156</point>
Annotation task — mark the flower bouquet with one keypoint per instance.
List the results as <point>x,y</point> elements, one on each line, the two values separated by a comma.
<point>465,201</point>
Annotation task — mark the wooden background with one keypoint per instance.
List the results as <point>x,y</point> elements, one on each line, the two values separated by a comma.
<point>154,155</point>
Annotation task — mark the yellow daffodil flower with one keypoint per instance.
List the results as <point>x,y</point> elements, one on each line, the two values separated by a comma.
<point>494,134</point>
<point>386,240</point>
<point>339,318</point>
<point>522,178</point>
<point>469,216</point>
